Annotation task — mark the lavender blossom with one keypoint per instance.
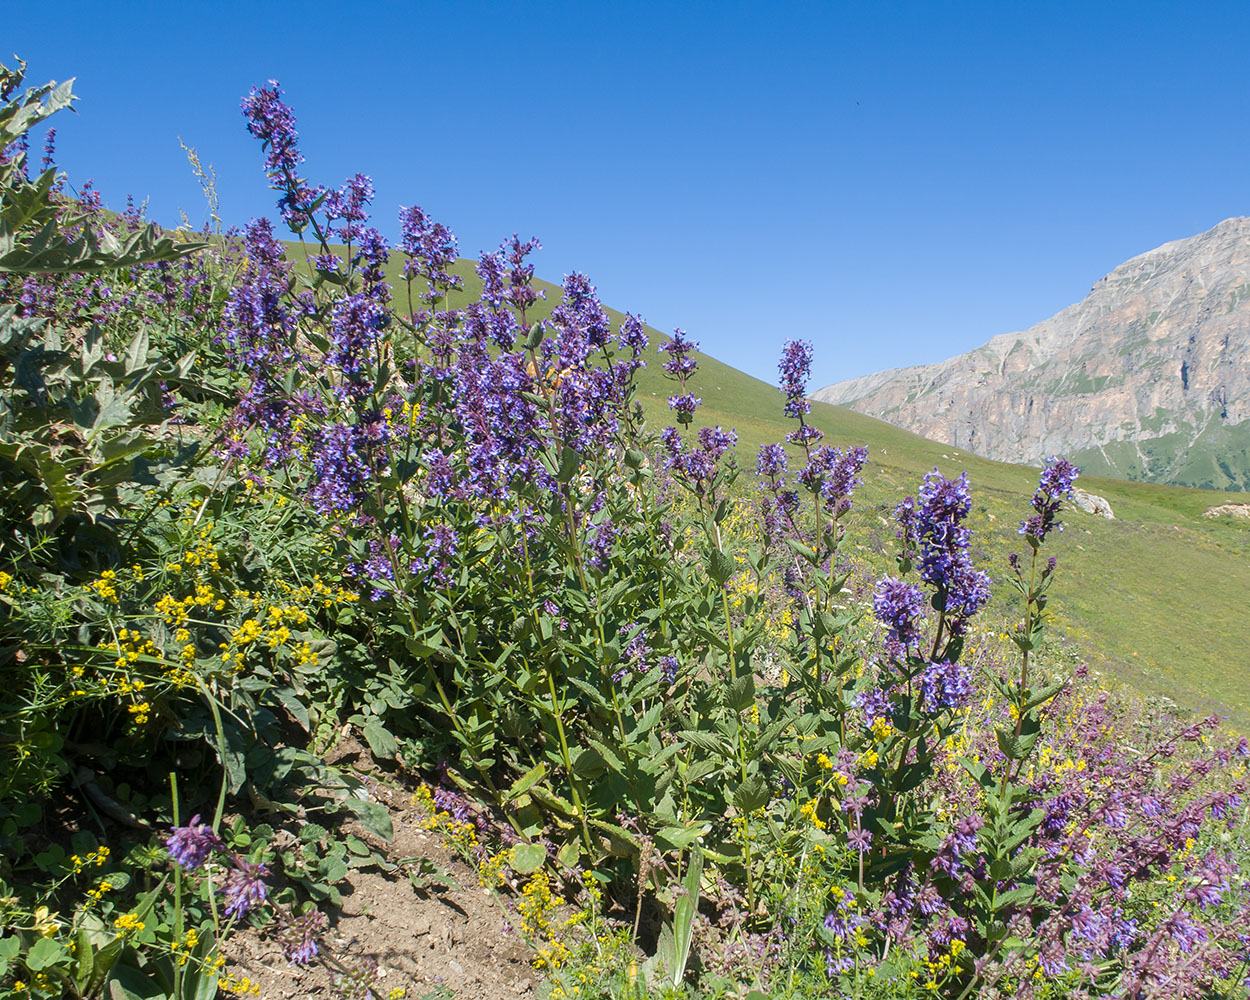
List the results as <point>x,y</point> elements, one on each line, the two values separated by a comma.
<point>900,607</point>
<point>298,937</point>
<point>684,406</point>
<point>796,368</point>
<point>931,527</point>
<point>273,122</point>
<point>946,685</point>
<point>191,845</point>
<point>1054,486</point>
<point>244,888</point>
<point>680,365</point>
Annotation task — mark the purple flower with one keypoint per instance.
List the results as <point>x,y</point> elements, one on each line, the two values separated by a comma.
<point>946,685</point>
<point>668,669</point>
<point>796,368</point>
<point>191,845</point>
<point>834,474</point>
<point>900,607</point>
<point>298,937</point>
<point>931,527</point>
<point>684,406</point>
<point>633,337</point>
<point>244,888</point>
<point>680,365</point>
<point>273,122</point>
<point>1053,487</point>
<point>875,704</point>
<point>771,465</point>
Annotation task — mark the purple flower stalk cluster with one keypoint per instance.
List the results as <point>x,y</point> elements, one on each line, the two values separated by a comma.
<point>273,122</point>
<point>244,888</point>
<point>431,250</point>
<point>191,845</point>
<point>931,527</point>
<point>1054,486</point>
<point>680,365</point>
<point>833,474</point>
<point>796,368</point>
<point>946,685</point>
<point>899,607</point>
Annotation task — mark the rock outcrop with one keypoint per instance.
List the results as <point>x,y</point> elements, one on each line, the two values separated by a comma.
<point>1241,511</point>
<point>1092,503</point>
<point>1148,377</point>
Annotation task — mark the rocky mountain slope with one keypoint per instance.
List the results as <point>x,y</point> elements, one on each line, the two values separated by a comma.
<point>1148,377</point>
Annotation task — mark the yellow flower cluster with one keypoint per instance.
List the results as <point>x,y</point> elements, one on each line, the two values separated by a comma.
<point>535,909</point>
<point>942,967</point>
<point>106,586</point>
<point>95,895</point>
<point>128,923</point>
<point>97,858</point>
<point>808,811</point>
<point>238,985</point>
<point>493,869</point>
<point>130,646</point>
<point>181,950</point>
<point>457,835</point>
<point>318,592</point>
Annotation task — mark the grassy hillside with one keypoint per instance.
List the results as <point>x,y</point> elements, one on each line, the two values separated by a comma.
<point>1155,597</point>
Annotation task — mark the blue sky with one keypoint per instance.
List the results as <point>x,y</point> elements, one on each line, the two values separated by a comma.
<point>896,182</point>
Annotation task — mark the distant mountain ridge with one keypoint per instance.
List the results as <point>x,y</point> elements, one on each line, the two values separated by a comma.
<point>1146,378</point>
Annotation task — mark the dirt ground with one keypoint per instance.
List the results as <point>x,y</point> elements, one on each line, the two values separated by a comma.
<point>450,941</point>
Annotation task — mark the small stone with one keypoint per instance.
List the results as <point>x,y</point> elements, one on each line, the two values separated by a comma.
<point>456,967</point>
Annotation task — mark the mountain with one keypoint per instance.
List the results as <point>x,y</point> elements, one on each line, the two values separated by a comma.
<point>1146,378</point>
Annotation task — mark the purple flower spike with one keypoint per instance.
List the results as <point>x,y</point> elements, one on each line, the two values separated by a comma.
<point>680,365</point>
<point>796,368</point>
<point>684,406</point>
<point>273,122</point>
<point>191,845</point>
<point>245,888</point>
<point>946,685</point>
<point>299,937</point>
<point>1054,486</point>
<point>900,607</point>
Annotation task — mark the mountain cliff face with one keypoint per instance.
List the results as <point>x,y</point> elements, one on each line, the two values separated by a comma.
<point>1148,377</point>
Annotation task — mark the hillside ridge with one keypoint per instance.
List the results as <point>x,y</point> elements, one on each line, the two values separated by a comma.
<point>1146,378</point>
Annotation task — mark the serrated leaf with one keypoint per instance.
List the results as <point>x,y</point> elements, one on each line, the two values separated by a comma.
<point>678,838</point>
<point>527,781</point>
<point>752,794</point>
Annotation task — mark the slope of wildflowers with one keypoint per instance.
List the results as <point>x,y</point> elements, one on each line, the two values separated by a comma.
<point>1198,659</point>
<point>668,710</point>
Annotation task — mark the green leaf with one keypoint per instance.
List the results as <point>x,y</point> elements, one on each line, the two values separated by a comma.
<point>684,911</point>
<point>373,816</point>
<point>45,952</point>
<point>332,870</point>
<point>740,692</point>
<point>678,838</point>
<point>528,858</point>
<point>527,781</point>
<point>707,741</point>
<point>720,567</point>
<point>752,794</point>
<point>609,758</point>
<point>379,738</point>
